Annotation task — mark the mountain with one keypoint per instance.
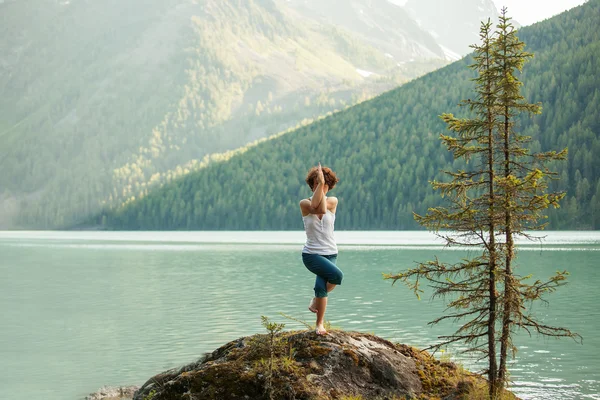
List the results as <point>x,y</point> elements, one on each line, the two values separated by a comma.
<point>387,149</point>
<point>99,100</point>
<point>381,24</point>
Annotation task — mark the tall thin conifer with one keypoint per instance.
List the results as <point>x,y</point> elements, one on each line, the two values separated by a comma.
<point>501,194</point>
<point>468,220</point>
<point>522,191</point>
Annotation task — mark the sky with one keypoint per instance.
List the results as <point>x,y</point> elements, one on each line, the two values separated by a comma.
<point>527,12</point>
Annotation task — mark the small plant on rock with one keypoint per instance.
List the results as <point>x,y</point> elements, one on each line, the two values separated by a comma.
<point>274,343</point>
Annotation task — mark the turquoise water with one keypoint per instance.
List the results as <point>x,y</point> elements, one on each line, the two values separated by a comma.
<point>85,309</point>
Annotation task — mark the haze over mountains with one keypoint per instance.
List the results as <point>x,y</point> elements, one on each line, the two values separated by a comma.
<point>454,25</point>
<point>387,149</point>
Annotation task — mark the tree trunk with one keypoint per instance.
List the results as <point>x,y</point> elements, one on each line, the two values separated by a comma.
<point>509,252</point>
<point>492,372</point>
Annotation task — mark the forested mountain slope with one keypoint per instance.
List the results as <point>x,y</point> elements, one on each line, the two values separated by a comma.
<point>386,150</point>
<point>100,99</point>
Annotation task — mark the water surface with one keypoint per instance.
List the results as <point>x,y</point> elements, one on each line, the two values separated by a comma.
<point>86,309</point>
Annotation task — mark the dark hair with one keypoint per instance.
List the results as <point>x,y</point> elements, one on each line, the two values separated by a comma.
<point>330,178</point>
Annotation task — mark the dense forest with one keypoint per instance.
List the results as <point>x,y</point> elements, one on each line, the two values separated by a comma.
<point>387,149</point>
<point>101,99</point>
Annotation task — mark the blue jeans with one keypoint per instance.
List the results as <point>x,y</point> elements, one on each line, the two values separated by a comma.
<point>325,269</point>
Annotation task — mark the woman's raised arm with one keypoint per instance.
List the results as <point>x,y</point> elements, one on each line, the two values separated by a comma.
<point>318,203</point>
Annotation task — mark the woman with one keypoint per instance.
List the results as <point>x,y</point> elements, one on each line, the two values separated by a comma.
<point>320,251</point>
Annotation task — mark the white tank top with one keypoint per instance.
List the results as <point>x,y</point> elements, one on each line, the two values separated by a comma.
<point>319,234</point>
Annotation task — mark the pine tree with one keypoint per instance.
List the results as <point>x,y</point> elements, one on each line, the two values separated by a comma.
<point>522,188</point>
<point>501,195</point>
<point>468,221</point>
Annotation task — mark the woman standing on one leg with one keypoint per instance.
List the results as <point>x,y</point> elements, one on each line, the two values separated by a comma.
<point>320,251</point>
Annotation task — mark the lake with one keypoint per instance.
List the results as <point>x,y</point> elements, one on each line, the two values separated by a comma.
<point>85,309</point>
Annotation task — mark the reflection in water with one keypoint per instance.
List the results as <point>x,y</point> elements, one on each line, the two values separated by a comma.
<point>108,309</point>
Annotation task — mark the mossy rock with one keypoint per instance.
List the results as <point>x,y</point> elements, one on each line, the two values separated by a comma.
<point>303,365</point>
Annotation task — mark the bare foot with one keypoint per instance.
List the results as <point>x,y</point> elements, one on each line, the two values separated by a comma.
<point>312,306</point>
<point>320,330</point>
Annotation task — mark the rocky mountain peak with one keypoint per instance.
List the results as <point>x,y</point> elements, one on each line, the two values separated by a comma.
<point>453,23</point>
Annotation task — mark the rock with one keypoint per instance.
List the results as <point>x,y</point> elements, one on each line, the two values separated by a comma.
<point>303,365</point>
<point>113,393</point>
